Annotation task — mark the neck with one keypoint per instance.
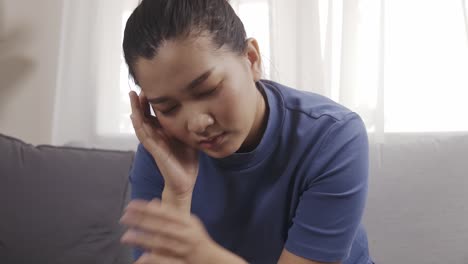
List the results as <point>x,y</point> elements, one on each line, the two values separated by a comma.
<point>259,125</point>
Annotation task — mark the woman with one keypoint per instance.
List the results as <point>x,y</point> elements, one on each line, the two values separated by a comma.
<point>233,168</point>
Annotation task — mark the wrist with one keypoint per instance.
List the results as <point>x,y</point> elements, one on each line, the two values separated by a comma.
<point>222,255</point>
<point>180,201</point>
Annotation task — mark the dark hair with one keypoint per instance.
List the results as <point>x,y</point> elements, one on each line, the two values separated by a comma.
<point>156,21</point>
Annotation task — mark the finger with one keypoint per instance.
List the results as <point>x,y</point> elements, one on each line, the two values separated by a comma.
<point>144,104</point>
<point>152,224</point>
<point>156,209</point>
<point>156,222</point>
<point>142,129</point>
<point>146,110</point>
<point>151,258</point>
<point>138,203</point>
<point>156,243</point>
<point>151,129</point>
<point>154,121</point>
<point>152,139</point>
<point>139,107</point>
<point>136,117</point>
<point>134,102</point>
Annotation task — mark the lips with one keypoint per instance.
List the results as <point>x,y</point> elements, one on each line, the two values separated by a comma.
<point>213,142</point>
<point>211,139</point>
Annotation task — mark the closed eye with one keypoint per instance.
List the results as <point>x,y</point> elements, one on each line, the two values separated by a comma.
<point>169,110</point>
<point>207,93</point>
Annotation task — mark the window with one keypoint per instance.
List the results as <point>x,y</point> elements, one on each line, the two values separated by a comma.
<point>425,60</point>
<point>426,66</point>
<point>125,124</point>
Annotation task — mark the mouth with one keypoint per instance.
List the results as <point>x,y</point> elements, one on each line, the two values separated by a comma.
<point>213,142</point>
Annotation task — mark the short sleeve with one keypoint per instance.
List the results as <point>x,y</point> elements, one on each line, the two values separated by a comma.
<point>146,181</point>
<point>331,206</point>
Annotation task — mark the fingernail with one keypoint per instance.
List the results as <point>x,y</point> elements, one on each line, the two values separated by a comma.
<point>129,235</point>
<point>123,219</point>
<point>127,218</point>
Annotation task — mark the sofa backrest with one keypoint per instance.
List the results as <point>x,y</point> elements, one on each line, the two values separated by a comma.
<point>417,207</point>
<point>62,204</point>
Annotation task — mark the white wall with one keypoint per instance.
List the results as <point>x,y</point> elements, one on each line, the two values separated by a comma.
<point>29,48</point>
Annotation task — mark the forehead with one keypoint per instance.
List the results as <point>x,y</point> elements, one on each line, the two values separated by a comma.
<point>176,63</point>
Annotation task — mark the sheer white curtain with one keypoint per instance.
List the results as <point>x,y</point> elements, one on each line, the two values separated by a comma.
<point>333,48</point>
<point>401,64</point>
<point>92,105</point>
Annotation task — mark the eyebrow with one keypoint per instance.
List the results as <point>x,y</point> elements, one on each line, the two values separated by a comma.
<point>197,81</point>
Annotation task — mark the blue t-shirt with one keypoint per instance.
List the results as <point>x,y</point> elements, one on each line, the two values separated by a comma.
<point>304,187</point>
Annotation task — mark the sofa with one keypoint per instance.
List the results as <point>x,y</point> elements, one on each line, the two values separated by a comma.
<point>417,206</point>
<point>62,204</point>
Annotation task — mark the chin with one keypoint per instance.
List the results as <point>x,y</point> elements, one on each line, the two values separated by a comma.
<point>219,154</point>
<point>224,152</point>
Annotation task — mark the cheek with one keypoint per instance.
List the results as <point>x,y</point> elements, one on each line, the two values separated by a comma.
<point>233,108</point>
<point>169,125</point>
<point>172,127</point>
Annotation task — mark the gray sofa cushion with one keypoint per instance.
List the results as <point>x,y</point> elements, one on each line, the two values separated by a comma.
<point>417,209</point>
<point>61,204</point>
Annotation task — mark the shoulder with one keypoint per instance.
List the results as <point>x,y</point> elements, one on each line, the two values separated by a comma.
<point>143,164</point>
<point>312,119</point>
<point>307,103</point>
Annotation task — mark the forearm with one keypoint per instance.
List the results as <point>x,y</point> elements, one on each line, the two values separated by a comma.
<point>190,230</point>
<point>214,253</point>
<point>222,255</point>
<point>182,202</point>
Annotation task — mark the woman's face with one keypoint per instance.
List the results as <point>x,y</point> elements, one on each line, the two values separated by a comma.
<point>205,97</point>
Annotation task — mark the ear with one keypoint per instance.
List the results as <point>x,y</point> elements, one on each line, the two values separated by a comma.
<point>253,55</point>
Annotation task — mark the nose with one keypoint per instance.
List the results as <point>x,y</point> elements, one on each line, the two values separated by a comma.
<point>199,123</point>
